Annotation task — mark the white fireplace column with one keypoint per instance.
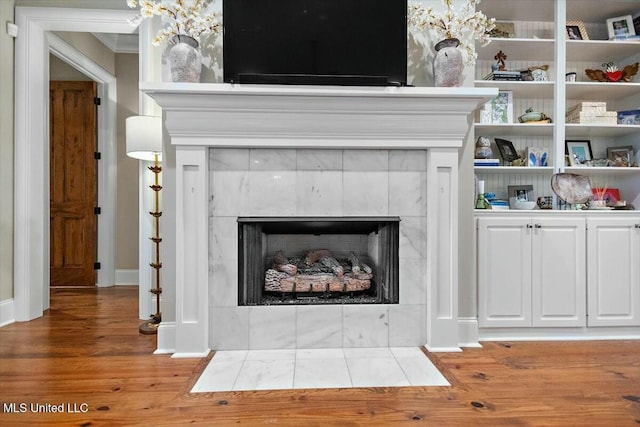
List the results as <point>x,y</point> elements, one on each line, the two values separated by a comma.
<point>203,116</point>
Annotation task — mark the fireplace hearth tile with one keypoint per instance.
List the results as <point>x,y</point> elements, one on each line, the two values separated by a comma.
<point>376,373</point>
<point>272,327</point>
<point>265,375</point>
<point>318,368</point>
<point>406,325</point>
<point>230,328</point>
<point>411,281</point>
<point>321,373</point>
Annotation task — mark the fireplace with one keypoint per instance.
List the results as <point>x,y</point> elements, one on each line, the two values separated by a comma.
<point>239,151</point>
<point>318,260</point>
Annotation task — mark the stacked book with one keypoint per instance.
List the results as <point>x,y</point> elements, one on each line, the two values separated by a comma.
<point>591,113</point>
<point>504,75</point>
<point>486,162</point>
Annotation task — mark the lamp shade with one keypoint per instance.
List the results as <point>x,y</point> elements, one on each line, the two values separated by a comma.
<point>144,137</point>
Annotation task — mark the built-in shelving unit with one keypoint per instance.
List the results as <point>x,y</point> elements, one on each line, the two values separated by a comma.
<point>540,39</point>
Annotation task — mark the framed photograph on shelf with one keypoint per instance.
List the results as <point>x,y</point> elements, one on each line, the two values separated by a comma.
<point>620,156</point>
<point>520,192</point>
<point>579,151</point>
<point>504,30</point>
<point>576,31</point>
<point>620,26</point>
<point>502,107</point>
<point>507,150</point>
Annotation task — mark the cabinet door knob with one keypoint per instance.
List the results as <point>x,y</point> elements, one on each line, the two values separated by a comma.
<point>538,226</point>
<point>529,226</point>
<point>637,225</point>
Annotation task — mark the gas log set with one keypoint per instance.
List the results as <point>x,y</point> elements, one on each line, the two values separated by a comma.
<point>318,271</point>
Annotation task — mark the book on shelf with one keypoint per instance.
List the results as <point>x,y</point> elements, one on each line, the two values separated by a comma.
<point>504,75</point>
<point>486,162</point>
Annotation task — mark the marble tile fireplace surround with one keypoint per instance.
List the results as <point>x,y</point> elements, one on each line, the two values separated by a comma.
<point>292,151</point>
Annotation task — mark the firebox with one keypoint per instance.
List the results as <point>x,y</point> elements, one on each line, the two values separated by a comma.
<point>323,260</point>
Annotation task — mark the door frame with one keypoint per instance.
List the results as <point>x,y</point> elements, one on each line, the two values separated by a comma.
<point>31,142</point>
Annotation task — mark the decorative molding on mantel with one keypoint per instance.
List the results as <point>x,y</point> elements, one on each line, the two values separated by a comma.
<point>324,116</point>
<point>202,116</point>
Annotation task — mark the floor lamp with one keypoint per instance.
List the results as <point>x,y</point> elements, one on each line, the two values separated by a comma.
<point>144,142</point>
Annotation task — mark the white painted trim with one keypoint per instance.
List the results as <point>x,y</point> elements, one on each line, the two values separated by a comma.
<point>107,145</point>
<point>560,334</point>
<point>31,226</point>
<point>468,332</point>
<point>166,338</point>
<point>7,312</point>
<point>431,349</point>
<point>126,277</point>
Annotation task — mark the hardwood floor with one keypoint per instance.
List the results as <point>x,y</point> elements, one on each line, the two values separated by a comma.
<point>86,354</point>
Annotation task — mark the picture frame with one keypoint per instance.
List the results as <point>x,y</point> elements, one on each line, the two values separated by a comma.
<point>620,156</point>
<point>520,192</point>
<point>575,30</point>
<point>620,26</point>
<point>578,151</point>
<point>502,107</point>
<point>503,30</point>
<point>507,150</point>
<point>537,156</point>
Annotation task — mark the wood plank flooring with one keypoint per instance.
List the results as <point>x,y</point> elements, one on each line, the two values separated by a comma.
<point>86,350</point>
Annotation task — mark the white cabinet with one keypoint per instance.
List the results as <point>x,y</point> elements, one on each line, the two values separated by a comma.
<point>531,272</point>
<point>613,260</point>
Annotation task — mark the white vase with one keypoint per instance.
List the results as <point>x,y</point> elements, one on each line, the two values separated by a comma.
<point>448,64</point>
<point>185,59</point>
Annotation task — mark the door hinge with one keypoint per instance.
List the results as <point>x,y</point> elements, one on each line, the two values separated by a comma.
<point>96,100</point>
<point>97,210</point>
<point>96,266</point>
<point>97,155</point>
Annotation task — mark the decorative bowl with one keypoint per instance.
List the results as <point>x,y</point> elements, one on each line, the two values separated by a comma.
<point>524,205</point>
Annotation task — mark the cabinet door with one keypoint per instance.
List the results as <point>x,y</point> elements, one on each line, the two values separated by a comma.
<point>504,272</point>
<point>613,272</point>
<point>558,272</point>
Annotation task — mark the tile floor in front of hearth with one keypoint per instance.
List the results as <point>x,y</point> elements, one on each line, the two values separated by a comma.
<point>244,370</point>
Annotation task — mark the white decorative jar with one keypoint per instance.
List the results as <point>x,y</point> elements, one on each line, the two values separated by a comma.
<point>448,63</point>
<point>185,59</point>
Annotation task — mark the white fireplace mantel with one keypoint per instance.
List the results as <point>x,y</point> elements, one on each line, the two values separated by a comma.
<point>202,116</point>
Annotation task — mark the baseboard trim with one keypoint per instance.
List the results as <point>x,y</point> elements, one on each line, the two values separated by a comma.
<point>468,332</point>
<point>560,334</point>
<point>7,312</point>
<point>127,277</point>
<point>166,338</point>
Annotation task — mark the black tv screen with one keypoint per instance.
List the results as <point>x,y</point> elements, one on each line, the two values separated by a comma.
<point>342,42</point>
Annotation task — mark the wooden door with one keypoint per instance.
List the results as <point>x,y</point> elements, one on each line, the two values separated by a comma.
<point>72,183</point>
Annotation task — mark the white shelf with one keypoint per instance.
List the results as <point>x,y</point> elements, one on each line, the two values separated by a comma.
<point>521,89</point>
<point>514,129</point>
<point>601,171</point>
<point>589,50</point>
<point>584,130</point>
<point>602,91</point>
<point>519,49</point>
<point>514,169</point>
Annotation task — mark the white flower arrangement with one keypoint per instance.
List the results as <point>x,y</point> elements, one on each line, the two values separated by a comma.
<point>466,24</point>
<point>184,17</point>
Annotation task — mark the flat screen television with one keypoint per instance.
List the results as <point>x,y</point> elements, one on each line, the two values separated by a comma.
<point>327,42</point>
